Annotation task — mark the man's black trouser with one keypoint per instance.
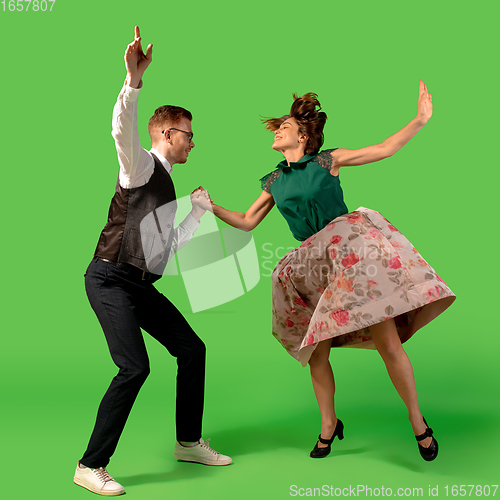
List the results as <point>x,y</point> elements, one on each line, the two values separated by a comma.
<point>124,303</point>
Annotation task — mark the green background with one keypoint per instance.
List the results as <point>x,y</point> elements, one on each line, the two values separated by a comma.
<point>229,64</point>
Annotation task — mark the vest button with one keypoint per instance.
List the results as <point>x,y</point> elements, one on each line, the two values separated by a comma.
<point>168,225</point>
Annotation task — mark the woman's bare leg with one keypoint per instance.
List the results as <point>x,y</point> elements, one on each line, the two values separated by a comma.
<point>324,388</point>
<point>388,344</point>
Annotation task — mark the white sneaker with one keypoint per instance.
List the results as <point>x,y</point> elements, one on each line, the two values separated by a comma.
<point>97,480</point>
<point>200,453</point>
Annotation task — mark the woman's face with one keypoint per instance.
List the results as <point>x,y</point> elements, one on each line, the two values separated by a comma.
<point>287,136</point>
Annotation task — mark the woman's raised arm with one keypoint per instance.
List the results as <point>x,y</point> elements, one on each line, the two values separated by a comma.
<point>252,217</point>
<point>351,157</point>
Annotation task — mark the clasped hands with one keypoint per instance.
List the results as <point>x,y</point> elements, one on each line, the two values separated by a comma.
<point>201,201</point>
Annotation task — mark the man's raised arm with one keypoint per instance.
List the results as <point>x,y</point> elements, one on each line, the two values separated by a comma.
<point>136,165</point>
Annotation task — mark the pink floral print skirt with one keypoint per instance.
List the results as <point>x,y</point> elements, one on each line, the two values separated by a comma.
<point>357,271</point>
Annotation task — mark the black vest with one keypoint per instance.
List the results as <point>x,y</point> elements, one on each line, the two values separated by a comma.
<point>125,239</point>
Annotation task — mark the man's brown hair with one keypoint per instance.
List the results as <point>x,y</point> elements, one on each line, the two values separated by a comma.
<point>166,115</point>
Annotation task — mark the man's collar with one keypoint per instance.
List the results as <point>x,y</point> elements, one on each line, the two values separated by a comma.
<point>162,159</point>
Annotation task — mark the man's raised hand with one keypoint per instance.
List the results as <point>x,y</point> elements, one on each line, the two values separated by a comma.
<point>136,61</point>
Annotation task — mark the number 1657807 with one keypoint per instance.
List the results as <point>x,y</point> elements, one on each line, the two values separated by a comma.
<point>26,5</point>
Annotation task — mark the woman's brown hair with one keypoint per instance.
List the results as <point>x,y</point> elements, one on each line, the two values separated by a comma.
<point>311,121</point>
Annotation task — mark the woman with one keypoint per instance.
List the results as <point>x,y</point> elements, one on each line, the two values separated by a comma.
<point>355,281</point>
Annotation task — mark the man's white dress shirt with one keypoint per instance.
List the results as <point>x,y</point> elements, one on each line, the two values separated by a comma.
<point>137,164</point>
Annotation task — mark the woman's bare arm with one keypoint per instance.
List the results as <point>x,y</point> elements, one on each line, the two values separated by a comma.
<point>252,217</point>
<point>351,157</point>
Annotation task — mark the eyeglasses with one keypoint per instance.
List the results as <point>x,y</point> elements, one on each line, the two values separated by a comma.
<point>189,134</point>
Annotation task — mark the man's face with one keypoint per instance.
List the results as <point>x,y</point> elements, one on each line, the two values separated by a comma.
<point>181,144</point>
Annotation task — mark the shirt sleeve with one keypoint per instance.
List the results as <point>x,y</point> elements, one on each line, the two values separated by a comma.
<point>136,165</point>
<point>324,159</point>
<point>183,234</point>
<point>267,180</point>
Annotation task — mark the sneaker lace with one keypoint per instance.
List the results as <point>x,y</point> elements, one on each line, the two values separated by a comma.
<point>205,445</point>
<point>102,474</point>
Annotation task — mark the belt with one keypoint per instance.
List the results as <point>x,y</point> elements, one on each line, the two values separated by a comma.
<point>135,272</point>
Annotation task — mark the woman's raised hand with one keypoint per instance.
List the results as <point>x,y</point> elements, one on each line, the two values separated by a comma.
<point>136,61</point>
<point>424,103</point>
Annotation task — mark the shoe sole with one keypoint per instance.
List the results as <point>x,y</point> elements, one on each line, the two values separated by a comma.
<point>215,462</point>
<point>99,492</point>
<point>319,456</point>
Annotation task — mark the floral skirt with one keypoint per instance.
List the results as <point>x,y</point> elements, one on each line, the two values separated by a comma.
<point>357,271</point>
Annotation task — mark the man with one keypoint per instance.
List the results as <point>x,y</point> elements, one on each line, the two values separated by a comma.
<point>119,281</point>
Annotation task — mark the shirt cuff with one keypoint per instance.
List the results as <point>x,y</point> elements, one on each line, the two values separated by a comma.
<point>130,94</point>
<point>190,223</point>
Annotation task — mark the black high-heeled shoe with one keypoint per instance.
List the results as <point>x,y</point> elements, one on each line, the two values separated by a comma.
<point>323,452</point>
<point>431,452</point>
